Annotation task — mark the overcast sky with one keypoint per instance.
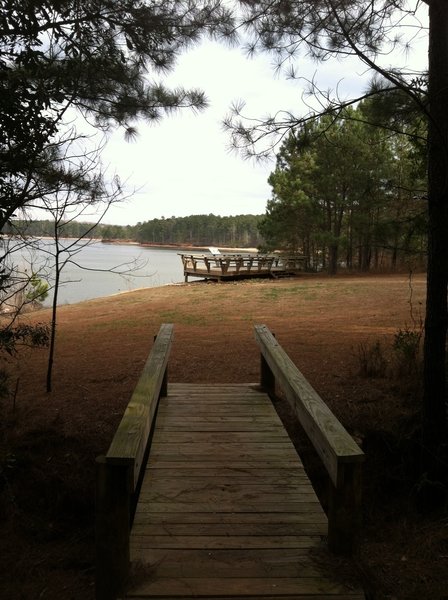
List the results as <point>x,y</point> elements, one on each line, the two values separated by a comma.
<point>183,165</point>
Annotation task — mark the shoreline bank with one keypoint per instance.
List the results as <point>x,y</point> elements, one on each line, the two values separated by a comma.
<point>180,247</point>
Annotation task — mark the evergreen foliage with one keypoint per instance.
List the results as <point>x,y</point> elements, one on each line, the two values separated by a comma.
<point>370,30</point>
<point>346,192</point>
<point>100,57</point>
<point>202,230</point>
<point>198,230</point>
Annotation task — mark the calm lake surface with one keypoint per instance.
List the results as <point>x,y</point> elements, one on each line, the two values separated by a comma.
<point>140,267</point>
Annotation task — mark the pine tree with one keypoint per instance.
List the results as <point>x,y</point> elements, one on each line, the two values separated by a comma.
<point>99,57</point>
<point>369,30</point>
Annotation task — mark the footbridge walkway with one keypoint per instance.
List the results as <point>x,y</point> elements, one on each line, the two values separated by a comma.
<point>202,494</point>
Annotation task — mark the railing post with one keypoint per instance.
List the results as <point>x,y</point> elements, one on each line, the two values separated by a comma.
<point>164,386</point>
<point>344,510</point>
<point>267,380</point>
<point>112,529</point>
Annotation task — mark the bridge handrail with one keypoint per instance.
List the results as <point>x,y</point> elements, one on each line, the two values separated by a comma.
<point>338,451</point>
<point>130,440</point>
<point>118,472</point>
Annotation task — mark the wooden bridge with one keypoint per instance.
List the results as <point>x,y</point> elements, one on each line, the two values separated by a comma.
<point>202,494</point>
<point>240,266</point>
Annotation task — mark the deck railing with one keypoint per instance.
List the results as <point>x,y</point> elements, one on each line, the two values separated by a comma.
<point>237,265</point>
<point>338,451</point>
<point>118,474</point>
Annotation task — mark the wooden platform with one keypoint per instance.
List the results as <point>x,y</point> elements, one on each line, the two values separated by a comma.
<point>222,267</point>
<point>226,509</point>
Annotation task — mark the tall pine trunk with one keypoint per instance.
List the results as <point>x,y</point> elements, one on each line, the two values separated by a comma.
<point>436,321</point>
<point>333,255</point>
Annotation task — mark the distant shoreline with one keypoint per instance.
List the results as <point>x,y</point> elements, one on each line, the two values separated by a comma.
<point>155,245</point>
<point>180,247</point>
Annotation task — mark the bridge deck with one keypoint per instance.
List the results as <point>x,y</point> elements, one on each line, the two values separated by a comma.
<point>226,509</point>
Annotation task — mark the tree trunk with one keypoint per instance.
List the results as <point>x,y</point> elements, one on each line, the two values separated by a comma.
<point>54,309</point>
<point>436,320</point>
<point>333,253</point>
<point>349,258</point>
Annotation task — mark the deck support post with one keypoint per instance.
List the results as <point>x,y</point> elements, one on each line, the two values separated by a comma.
<point>112,529</point>
<point>344,510</point>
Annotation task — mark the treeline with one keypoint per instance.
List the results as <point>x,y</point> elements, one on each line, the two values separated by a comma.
<point>203,230</point>
<point>349,194</point>
<point>196,230</point>
<point>46,228</point>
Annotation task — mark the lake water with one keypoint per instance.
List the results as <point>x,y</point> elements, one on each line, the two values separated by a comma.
<point>140,267</point>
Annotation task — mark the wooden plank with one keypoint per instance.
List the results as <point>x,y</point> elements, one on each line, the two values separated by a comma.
<point>204,392</point>
<point>216,391</point>
<point>210,404</point>
<point>192,563</point>
<point>216,395</point>
<point>216,426</point>
<point>231,507</point>
<point>130,440</point>
<point>212,419</point>
<point>209,587</point>
<point>244,463</point>
<point>202,410</point>
<point>232,437</point>
<point>242,416</point>
<point>210,391</point>
<point>234,399</point>
<point>273,457</point>
<point>182,388</point>
<point>228,530</point>
<point>213,397</point>
<point>145,515</point>
<point>184,485</point>
<point>227,498</point>
<point>222,541</point>
<point>225,476</point>
<point>200,470</point>
<point>221,446</point>
<point>218,596</point>
<point>252,495</point>
<point>330,439</point>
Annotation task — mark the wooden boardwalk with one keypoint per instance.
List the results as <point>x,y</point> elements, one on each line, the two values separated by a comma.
<point>225,508</point>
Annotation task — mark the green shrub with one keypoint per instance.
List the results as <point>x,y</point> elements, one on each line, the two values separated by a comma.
<point>37,289</point>
<point>406,347</point>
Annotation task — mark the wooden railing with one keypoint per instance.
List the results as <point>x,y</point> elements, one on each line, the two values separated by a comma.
<point>338,451</point>
<point>234,265</point>
<point>119,472</point>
